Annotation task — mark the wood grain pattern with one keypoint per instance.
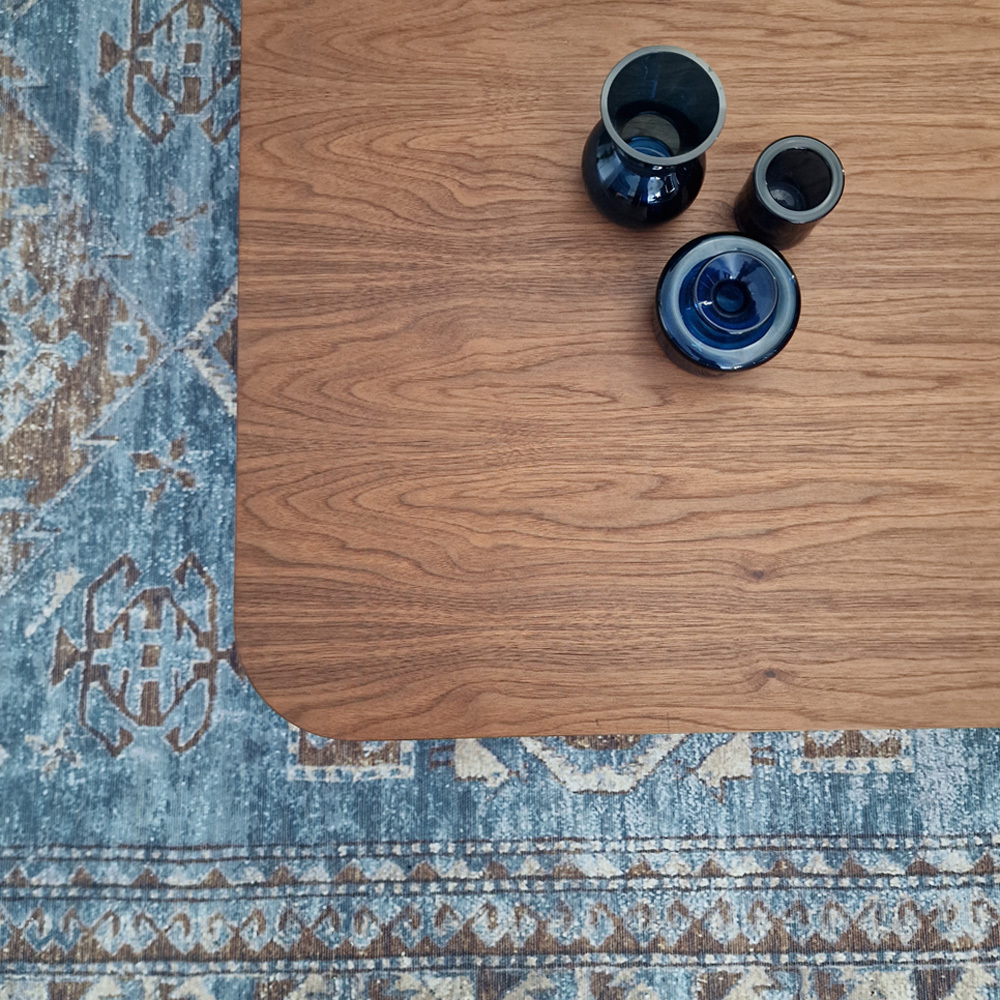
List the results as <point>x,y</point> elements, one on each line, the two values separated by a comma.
<point>474,498</point>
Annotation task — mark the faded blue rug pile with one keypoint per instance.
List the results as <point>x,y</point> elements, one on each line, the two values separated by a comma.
<point>165,836</point>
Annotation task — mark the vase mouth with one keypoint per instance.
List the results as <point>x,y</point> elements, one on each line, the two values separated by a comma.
<point>662,106</point>
<point>798,179</point>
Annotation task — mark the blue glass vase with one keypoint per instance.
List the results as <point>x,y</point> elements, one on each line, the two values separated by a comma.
<point>725,303</point>
<point>644,161</point>
<point>795,182</point>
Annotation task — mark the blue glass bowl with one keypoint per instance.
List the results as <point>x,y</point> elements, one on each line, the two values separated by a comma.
<point>725,303</point>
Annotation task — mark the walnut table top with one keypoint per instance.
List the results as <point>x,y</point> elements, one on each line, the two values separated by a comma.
<point>475,499</point>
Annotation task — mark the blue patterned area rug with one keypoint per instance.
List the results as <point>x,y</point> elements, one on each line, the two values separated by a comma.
<point>166,836</point>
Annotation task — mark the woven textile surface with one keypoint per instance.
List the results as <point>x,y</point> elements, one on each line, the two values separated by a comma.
<point>164,835</point>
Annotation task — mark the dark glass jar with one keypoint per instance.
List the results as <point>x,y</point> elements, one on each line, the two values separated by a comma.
<point>795,182</point>
<point>644,162</point>
<point>725,303</point>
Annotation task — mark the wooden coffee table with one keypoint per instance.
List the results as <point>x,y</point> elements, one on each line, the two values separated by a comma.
<point>475,499</point>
